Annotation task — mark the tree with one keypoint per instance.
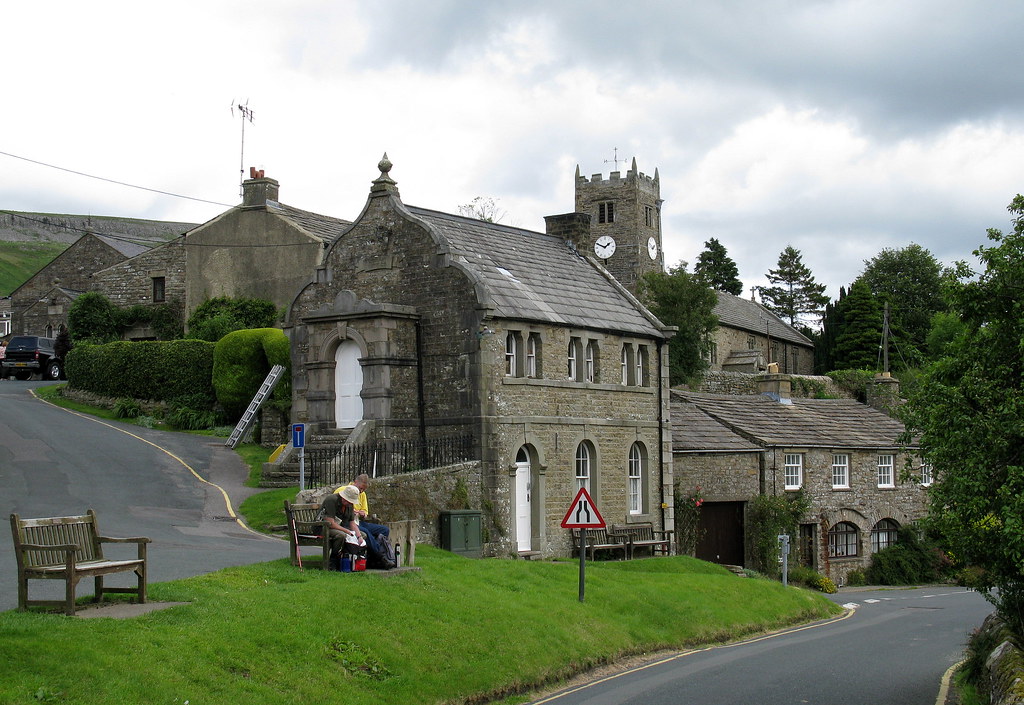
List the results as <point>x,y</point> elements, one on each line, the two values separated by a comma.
<point>966,414</point>
<point>482,208</point>
<point>856,343</point>
<point>92,317</point>
<point>717,269</point>
<point>677,298</point>
<point>794,292</point>
<point>216,317</point>
<point>910,281</point>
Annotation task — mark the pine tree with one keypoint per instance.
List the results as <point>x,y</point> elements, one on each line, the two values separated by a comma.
<point>716,269</point>
<point>856,346</point>
<point>794,292</point>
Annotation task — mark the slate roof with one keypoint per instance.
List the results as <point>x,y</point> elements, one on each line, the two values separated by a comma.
<point>532,276</point>
<point>737,312</point>
<point>827,423</point>
<point>323,227</point>
<point>695,431</point>
<point>126,248</point>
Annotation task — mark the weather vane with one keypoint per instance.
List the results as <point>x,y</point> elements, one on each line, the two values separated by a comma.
<point>246,114</point>
<point>615,158</point>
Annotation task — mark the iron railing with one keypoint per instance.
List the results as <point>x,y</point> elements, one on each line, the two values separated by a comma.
<point>338,464</point>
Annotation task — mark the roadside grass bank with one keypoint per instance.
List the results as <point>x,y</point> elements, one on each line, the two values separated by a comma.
<point>459,630</point>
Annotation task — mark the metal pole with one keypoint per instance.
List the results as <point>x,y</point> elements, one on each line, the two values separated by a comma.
<point>584,542</point>
<point>302,468</point>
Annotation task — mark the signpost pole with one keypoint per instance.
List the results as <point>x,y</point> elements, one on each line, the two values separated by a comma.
<point>299,441</point>
<point>584,543</point>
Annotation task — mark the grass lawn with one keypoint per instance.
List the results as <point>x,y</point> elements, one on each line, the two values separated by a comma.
<point>460,628</point>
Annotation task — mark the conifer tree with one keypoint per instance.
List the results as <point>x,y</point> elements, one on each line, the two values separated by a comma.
<point>794,291</point>
<point>717,269</point>
<point>856,346</point>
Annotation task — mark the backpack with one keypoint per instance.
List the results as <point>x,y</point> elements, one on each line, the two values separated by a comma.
<point>387,550</point>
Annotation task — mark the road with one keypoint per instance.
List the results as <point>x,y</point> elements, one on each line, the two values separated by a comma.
<point>180,490</point>
<point>892,648</point>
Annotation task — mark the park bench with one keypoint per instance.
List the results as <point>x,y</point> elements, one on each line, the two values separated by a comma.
<point>601,540</point>
<point>644,535</point>
<point>69,549</point>
<point>310,530</point>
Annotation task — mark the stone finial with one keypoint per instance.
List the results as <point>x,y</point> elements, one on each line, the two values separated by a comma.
<point>384,183</point>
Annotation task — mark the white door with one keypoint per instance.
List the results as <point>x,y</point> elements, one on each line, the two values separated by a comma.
<point>348,382</point>
<point>524,500</point>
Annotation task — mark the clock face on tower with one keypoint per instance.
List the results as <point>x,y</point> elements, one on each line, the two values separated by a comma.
<point>652,248</point>
<point>604,246</point>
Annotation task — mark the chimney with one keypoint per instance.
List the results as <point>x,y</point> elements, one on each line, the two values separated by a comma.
<point>776,386</point>
<point>258,191</point>
<point>574,228</point>
<point>884,393</point>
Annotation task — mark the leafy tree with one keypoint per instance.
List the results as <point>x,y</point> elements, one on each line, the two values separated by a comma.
<point>966,413</point>
<point>216,317</point>
<point>910,281</point>
<point>482,208</point>
<point>856,343</point>
<point>717,269</point>
<point>92,317</point>
<point>677,298</point>
<point>794,291</point>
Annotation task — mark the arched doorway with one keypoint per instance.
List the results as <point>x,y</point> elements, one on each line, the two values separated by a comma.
<point>524,500</point>
<point>348,383</point>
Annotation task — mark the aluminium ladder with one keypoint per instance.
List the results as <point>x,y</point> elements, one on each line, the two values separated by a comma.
<point>249,417</point>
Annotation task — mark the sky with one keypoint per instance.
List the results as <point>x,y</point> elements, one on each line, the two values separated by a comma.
<point>839,128</point>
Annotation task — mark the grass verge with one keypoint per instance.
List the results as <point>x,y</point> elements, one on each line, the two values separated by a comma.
<point>458,630</point>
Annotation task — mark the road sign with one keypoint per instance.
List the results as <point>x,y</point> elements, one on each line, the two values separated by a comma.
<point>298,435</point>
<point>583,513</point>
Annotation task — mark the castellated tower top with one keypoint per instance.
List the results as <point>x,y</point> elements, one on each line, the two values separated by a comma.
<point>635,178</point>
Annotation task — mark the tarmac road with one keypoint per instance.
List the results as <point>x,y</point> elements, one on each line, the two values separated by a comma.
<point>180,490</point>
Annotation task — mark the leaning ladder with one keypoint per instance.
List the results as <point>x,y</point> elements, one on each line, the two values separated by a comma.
<point>249,417</point>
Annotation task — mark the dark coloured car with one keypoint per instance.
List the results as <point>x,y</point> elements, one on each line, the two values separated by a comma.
<point>31,354</point>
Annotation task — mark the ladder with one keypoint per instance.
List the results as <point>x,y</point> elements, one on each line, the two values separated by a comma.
<point>249,417</point>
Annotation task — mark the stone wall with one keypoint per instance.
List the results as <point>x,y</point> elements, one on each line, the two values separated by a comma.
<point>792,358</point>
<point>130,283</point>
<point>802,387</point>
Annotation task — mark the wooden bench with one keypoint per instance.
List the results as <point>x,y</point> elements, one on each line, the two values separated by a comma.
<point>601,540</point>
<point>69,549</point>
<point>644,535</point>
<point>309,531</point>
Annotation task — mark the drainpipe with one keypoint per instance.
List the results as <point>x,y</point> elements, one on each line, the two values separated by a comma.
<point>420,401</point>
<point>661,433</point>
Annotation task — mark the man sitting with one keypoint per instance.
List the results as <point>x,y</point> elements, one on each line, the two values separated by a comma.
<point>375,533</point>
<point>339,512</point>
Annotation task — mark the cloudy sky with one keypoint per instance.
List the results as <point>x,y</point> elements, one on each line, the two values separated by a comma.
<point>840,128</point>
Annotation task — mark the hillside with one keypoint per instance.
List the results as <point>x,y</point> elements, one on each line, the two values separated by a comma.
<point>28,241</point>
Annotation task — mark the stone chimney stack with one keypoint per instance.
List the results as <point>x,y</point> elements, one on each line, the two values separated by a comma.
<point>776,386</point>
<point>573,228</point>
<point>884,393</point>
<point>258,191</point>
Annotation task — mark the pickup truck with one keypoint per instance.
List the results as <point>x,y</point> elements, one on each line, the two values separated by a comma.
<point>30,354</point>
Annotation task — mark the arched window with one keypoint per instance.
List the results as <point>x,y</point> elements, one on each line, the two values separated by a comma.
<point>573,358</point>
<point>842,540</point>
<point>584,467</point>
<point>533,356</point>
<point>511,354</point>
<point>626,362</point>
<point>591,361</point>
<point>636,474</point>
<point>642,379</point>
<point>883,534</point>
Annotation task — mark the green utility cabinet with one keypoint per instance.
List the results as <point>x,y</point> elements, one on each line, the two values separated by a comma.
<point>461,532</point>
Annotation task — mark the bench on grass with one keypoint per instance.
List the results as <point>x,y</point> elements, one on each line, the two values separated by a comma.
<point>644,535</point>
<point>600,540</point>
<point>69,549</point>
<point>309,531</point>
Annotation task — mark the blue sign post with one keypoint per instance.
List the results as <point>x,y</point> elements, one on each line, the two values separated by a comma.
<point>299,441</point>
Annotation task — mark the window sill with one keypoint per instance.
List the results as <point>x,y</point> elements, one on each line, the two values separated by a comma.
<point>572,384</point>
<point>842,489</point>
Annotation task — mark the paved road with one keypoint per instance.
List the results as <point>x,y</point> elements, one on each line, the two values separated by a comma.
<point>141,482</point>
<point>892,649</point>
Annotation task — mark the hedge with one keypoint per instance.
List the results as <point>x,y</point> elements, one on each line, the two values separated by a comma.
<point>241,361</point>
<point>155,370</point>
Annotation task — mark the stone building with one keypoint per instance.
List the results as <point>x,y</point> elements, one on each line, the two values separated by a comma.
<point>50,291</point>
<point>421,324</point>
<point>749,337</point>
<point>846,456</point>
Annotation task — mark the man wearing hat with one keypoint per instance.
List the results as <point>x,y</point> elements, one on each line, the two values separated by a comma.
<point>374,533</point>
<point>339,512</point>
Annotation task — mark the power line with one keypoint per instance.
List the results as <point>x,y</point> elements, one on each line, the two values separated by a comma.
<point>112,181</point>
<point>72,228</point>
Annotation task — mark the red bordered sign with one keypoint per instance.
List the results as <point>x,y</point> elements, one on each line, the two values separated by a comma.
<point>583,513</point>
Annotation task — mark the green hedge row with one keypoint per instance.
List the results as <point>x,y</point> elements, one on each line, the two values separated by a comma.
<point>155,370</point>
<point>242,360</point>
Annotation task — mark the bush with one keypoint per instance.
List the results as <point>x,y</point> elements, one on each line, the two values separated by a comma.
<point>242,360</point>
<point>769,517</point>
<point>801,574</point>
<point>856,577</point>
<point>216,317</point>
<point>907,562</point>
<point>127,409</point>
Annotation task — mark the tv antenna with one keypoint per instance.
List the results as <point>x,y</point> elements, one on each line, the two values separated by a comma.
<point>615,158</point>
<point>246,114</point>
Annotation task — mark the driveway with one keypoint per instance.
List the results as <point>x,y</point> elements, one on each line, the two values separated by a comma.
<point>180,490</point>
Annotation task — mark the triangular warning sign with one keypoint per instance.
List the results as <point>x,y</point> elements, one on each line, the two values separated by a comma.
<point>583,513</point>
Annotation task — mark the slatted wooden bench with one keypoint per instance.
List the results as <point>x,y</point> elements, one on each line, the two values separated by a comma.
<point>309,531</point>
<point>644,535</point>
<point>601,540</point>
<point>69,549</point>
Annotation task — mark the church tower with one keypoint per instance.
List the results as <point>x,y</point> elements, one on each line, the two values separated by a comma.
<point>625,222</point>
